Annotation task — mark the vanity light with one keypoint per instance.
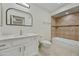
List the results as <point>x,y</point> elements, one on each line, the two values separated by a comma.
<point>24,5</point>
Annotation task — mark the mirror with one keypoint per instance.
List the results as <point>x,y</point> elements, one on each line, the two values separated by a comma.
<point>18,17</point>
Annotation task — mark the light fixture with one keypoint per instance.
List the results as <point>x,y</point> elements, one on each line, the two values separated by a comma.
<point>24,5</point>
<point>66,12</point>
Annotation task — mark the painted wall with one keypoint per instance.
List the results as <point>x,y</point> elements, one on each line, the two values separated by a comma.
<point>0,14</point>
<point>0,19</point>
<point>41,22</point>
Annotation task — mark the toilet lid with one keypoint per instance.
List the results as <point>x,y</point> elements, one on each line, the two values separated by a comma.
<point>45,42</point>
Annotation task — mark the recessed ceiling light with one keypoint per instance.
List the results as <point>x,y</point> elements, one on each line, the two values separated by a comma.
<point>66,12</point>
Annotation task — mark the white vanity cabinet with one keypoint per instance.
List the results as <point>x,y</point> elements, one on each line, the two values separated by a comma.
<point>32,47</point>
<point>13,51</point>
<point>19,46</point>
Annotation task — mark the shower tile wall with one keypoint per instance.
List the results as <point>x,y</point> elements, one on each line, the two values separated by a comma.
<point>64,28</point>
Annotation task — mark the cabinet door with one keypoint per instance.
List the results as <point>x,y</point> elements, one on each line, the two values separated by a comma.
<point>14,51</point>
<point>31,48</point>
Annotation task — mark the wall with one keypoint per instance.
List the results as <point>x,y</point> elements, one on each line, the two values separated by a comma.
<point>41,22</point>
<point>0,18</point>
<point>0,14</point>
<point>68,27</point>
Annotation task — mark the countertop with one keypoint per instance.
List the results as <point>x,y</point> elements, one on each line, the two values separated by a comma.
<point>6,37</point>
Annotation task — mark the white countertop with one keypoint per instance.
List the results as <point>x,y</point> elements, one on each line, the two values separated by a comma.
<point>6,37</point>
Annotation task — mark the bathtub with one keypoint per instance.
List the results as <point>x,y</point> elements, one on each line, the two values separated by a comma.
<point>65,47</point>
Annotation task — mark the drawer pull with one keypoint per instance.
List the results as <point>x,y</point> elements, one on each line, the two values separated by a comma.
<point>2,45</point>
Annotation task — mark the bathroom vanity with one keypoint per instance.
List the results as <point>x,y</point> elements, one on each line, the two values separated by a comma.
<point>13,16</point>
<point>19,45</point>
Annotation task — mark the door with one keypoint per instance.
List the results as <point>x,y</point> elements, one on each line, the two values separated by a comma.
<point>14,51</point>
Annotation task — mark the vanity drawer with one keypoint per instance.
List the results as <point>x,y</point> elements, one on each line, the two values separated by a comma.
<point>19,41</point>
<point>5,44</point>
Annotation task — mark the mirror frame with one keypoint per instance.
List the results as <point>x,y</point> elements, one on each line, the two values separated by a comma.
<point>20,11</point>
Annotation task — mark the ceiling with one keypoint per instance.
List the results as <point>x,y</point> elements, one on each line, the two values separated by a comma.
<point>69,11</point>
<point>50,7</point>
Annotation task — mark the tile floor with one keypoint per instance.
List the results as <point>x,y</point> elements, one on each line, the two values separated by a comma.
<point>57,50</point>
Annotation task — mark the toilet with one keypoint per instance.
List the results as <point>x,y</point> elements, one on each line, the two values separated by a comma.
<point>45,43</point>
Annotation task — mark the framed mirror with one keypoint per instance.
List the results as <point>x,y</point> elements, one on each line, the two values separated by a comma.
<point>18,17</point>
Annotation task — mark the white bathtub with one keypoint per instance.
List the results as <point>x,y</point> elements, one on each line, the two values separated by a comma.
<point>65,47</point>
